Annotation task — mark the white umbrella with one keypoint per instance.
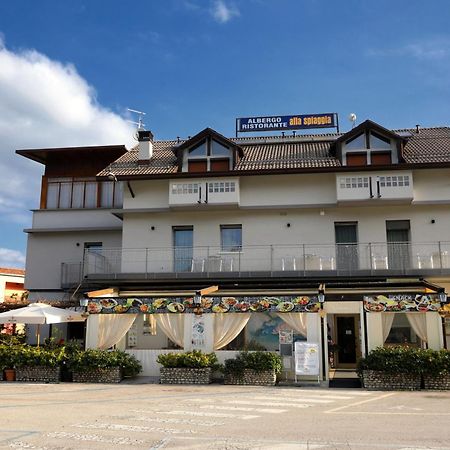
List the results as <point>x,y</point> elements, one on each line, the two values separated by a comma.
<point>40,313</point>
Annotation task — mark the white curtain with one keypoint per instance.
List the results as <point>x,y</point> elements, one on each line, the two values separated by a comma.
<point>112,328</point>
<point>172,326</point>
<point>386,321</point>
<point>297,321</point>
<point>227,327</point>
<point>418,323</point>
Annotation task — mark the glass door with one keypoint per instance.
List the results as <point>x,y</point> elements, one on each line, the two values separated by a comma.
<point>346,246</point>
<point>399,254</point>
<point>347,341</point>
<point>183,239</point>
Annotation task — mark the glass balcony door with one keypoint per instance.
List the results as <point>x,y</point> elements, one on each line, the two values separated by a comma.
<point>347,246</point>
<point>183,240</point>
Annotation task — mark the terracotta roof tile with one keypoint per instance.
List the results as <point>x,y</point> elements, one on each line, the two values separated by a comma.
<point>10,271</point>
<point>431,145</point>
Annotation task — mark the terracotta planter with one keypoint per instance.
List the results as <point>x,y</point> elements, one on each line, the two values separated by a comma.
<point>438,383</point>
<point>10,375</point>
<point>378,380</point>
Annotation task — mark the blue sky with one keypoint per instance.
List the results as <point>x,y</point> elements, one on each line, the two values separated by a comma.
<point>195,63</point>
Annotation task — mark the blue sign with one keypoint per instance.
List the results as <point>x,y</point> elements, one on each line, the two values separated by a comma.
<point>296,122</point>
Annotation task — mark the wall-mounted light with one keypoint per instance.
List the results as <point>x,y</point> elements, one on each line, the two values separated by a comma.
<point>442,298</point>
<point>433,221</point>
<point>288,225</point>
<point>152,228</point>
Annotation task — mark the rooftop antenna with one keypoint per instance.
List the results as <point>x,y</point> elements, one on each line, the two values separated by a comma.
<point>140,116</point>
<point>352,118</point>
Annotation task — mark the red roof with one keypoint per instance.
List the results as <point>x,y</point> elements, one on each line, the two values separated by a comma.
<point>9,271</point>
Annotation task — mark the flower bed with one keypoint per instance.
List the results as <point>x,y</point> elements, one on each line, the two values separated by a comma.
<point>184,375</point>
<point>378,380</point>
<point>42,374</point>
<point>252,377</point>
<point>98,375</point>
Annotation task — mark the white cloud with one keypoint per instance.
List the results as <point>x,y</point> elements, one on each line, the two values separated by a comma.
<point>222,12</point>
<point>44,103</point>
<point>11,258</point>
<point>432,49</point>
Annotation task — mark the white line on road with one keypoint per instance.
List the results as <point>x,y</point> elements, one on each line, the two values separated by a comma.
<point>359,403</point>
<point>251,402</point>
<point>290,400</point>
<point>208,414</point>
<point>160,444</point>
<point>241,408</point>
<point>120,427</point>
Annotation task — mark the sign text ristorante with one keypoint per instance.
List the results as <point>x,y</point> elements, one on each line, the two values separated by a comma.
<point>293,122</point>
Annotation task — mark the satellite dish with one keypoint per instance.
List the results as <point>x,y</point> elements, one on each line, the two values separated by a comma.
<point>352,118</point>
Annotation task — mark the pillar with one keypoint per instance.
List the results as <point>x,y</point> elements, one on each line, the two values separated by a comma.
<point>374,331</point>
<point>434,331</point>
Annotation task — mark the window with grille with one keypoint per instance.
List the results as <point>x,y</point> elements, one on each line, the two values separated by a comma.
<point>394,181</point>
<point>222,186</point>
<point>185,188</point>
<point>353,182</point>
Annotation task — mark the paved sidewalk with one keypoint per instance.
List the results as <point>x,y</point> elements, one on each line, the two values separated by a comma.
<point>151,416</point>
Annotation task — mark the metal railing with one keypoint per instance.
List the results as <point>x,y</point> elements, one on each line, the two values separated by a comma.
<point>302,259</point>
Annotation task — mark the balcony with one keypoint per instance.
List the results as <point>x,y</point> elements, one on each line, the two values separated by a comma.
<point>220,191</point>
<point>303,260</point>
<point>374,188</point>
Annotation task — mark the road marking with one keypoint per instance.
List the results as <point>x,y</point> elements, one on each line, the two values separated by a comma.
<point>95,438</point>
<point>359,403</point>
<point>355,393</point>
<point>120,427</point>
<point>290,400</point>
<point>403,407</point>
<point>170,420</point>
<point>251,402</point>
<point>160,444</point>
<point>208,414</point>
<point>241,408</point>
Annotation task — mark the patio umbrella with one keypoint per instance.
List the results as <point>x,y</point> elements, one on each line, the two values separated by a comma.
<point>40,313</point>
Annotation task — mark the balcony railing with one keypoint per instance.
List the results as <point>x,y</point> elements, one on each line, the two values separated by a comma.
<point>394,258</point>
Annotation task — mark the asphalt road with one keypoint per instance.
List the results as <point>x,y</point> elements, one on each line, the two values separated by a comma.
<point>149,416</point>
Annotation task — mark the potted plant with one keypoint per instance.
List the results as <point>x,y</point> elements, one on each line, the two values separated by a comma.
<point>187,368</point>
<point>257,368</point>
<point>7,362</point>
<point>436,369</point>
<point>101,366</point>
<point>392,368</point>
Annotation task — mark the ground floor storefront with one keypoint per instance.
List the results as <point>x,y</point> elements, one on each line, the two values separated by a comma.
<point>340,324</point>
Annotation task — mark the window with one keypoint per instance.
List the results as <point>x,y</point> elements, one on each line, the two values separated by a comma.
<point>185,188</point>
<point>367,148</point>
<point>208,156</point>
<point>356,143</point>
<point>77,193</point>
<point>93,247</point>
<point>394,181</point>
<point>221,186</point>
<point>353,182</point>
<point>231,238</point>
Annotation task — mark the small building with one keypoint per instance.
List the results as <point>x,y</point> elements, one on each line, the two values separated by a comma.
<point>11,284</point>
<point>340,240</point>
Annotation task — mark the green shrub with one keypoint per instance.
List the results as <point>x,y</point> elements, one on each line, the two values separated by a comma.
<point>7,356</point>
<point>86,360</point>
<point>192,360</point>
<point>393,360</point>
<point>257,361</point>
<point>436,363</point>
<point>35,356</point>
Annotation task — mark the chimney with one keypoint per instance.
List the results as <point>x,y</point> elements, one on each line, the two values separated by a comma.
<point>145,139</point>
<point>417,129</point>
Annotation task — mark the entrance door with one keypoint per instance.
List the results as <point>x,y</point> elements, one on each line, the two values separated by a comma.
<point>183,239</point>
<point>397,234</point>
<point>346,245</point>
<point>347,338</point>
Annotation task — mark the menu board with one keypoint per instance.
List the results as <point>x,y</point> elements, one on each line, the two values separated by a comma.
<point>306,358</point>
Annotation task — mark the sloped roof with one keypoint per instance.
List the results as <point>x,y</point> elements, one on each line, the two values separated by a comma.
<point>272,153</point>
<point>11,271</point>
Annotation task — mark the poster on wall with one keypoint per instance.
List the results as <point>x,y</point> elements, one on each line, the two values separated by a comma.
<point>306,358</point>
<point>198,333</point>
